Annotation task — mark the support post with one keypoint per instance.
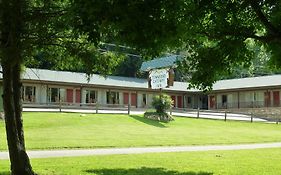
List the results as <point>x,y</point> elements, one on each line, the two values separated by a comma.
<point>97,108</point>
<point>129,109</point>
<point>251,117</point>
<point>60,105</point>
<point>198,111</point>
<point>225,114</point>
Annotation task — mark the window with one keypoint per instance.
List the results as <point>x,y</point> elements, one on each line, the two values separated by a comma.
<point>224,99</point>
<point>56,94</point>
<point>28,93</point>
<point>188,100</point>
<point>144,99</point>
<point>91,96</point>
<point>112,97</point>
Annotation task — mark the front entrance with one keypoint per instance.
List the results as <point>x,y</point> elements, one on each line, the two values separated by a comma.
<point>133,99</point>
<point>212,102</point>
<point>69,95</point>
<point>267,99</point>
<point>126,98</point>
<point>276,98</point>
<point>179,101</point>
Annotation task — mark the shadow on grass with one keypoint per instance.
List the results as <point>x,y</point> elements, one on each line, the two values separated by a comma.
<point>143,171</point>
<point>5,173</point>
<point>147,121</point>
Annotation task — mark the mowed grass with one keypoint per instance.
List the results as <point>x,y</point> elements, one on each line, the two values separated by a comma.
<point>71,130</point>
<point>242,162</point>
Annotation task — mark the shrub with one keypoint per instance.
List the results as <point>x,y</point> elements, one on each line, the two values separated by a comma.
<point>163,117</point>
<point>162,103</point>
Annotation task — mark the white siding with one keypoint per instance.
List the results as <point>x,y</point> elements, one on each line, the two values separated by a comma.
<point>102,96</point>
<point>83,98</point>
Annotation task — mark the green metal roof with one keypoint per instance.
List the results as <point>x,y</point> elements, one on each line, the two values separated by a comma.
<point>162,62</point>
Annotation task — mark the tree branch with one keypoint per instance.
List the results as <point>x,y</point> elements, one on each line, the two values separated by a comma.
<point>271,28</point>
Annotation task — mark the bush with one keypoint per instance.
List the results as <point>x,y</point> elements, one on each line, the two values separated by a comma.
<point>162,103</point>
<point>163,117</point>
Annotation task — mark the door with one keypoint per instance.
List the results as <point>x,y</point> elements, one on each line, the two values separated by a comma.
<point>174,100</point>
<point>179,101</point>
<point>212,101</point>
<point>69,95</point>
<point>133,99</point>
<point>267,99</point>
<point>276,98</point>
<point>78,96</point>
<point>126,98</point>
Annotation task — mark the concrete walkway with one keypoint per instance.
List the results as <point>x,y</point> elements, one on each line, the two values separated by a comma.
<point>164,149</point>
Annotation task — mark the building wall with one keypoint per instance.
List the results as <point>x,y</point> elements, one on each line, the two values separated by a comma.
<point>42,96</point>
<point>248,98</point>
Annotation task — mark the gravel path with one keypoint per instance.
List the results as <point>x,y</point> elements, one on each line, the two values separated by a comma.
<point>113,151</point>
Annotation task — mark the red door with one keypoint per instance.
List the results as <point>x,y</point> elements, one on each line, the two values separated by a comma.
<point>179,100</point>
<point>267,99</point>
<point>212,101</point>
<point>276,98</point>
<point>78,96</point>
<point>133,99</point>
<point>126,98</point>
<point>174,100</point>
<point>69,95</point>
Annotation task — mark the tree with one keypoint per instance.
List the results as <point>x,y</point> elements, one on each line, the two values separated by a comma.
<point>221,35</point>
<point>30,26</point>
<point>216,34</point>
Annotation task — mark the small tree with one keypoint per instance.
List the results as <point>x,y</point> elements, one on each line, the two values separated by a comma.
<point>162,103</point>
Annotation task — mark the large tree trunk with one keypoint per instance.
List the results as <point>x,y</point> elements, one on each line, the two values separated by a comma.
<point>20,164</point>
<point>11,60</point>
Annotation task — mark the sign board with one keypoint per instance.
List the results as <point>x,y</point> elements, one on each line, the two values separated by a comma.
<point>159,78</point>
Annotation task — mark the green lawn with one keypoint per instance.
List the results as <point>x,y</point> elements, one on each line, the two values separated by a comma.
<point>242,162</point>
<point>69,130</point>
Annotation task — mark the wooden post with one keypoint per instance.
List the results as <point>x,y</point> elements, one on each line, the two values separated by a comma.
<point>97,107</point>
<point>60,105</point>
<point>225,114</point>
<point>251,117</point>
<point>238,100</point>
<point>129,109</point>
<point>198,110</point>
<point>170,110</point>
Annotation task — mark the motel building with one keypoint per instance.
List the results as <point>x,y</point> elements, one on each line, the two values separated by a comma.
<point>254,92</point>
<point>48,88</point>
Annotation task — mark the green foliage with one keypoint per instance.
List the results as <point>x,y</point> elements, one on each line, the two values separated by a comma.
<point>150,26</point>
<point>162,103</point>
<point>221,34</point>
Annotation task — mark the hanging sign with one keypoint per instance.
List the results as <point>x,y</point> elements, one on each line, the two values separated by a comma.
<point>159,78</point>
